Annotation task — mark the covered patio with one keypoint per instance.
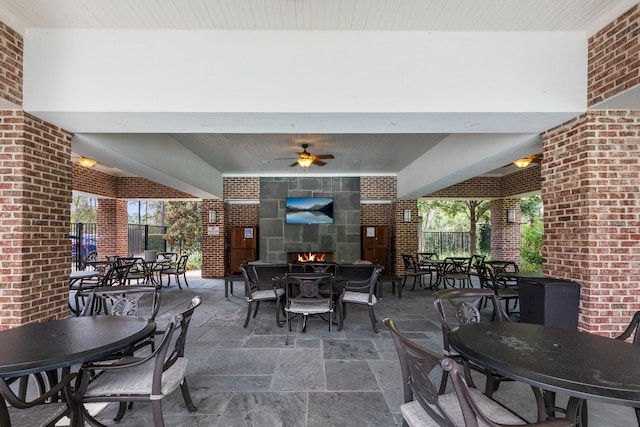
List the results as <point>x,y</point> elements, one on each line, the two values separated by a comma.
<point>249,376</point>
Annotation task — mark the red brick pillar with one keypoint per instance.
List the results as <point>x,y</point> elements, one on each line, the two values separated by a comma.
<point>113,228</point>
<point>213,237</point>
<point>35,207</point>
<point>405,239</point>
<point>591,227</point>
<point>506,240</point>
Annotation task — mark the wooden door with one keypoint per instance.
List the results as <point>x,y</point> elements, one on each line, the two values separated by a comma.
<point>244,247</point>
<point>375,244</point>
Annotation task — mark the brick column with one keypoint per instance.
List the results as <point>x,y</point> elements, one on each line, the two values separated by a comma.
<point>506,240</point>
<point>213,253</point>
<point>113,228</point>
<point>405,240</point>
<point>35,206</point>
<point>591,221</point>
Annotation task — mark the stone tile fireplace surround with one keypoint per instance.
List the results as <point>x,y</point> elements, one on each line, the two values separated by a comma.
<point>342,238</point>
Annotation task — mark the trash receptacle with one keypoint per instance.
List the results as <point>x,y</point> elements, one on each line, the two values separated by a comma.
<point>551,302</point>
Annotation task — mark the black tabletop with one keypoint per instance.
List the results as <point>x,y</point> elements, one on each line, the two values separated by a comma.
<point>580,364</point>
<point>55,344</point>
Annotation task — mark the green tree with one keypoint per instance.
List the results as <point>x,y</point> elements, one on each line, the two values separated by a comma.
<point>532,232</point>
<point>83,209</point>
<point>184,225</point>
<point>531,208</point>
<point>461,215</point>
<point>146,212</point>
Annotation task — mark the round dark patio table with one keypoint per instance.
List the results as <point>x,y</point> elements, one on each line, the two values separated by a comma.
<point>580,364</point>
<point>47,346</point>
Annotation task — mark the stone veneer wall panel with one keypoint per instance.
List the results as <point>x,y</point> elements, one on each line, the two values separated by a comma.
<point>341,237</point>
<point>35,199</point>
<point>591,193</point>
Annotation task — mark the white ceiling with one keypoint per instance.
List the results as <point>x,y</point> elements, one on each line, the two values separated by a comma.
<point>356,153</point>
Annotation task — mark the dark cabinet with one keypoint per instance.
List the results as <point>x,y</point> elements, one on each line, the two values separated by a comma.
<point>550,302</point>
<point>375,244</point>
<point>244,247</point>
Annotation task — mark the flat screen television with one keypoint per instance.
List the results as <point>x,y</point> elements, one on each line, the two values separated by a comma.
<point>309,210</point>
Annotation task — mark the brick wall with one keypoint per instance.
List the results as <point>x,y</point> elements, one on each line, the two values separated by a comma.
<point>213,246</point>
<point>523,181</point>
<point>406,233</point>
<point>614,55</point>
<point>35,194</point>
<point>136,188</point>
<point>113,228</point>
<point>591,219</point>
<point>10,65</point>
<point>506,241</point>
<point>91,181</point>
<point>380,188</point>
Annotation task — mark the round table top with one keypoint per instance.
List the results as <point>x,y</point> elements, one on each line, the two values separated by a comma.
<point>37,347</point>
<point>581,364</point>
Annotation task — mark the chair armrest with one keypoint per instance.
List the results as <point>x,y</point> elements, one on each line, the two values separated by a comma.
<point>19,403</point>
<point>556,422</point>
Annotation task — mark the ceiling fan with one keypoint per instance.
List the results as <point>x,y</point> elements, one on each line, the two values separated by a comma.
<point>305,159</point>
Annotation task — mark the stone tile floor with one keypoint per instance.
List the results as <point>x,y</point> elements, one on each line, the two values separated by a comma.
<point>249,377</point>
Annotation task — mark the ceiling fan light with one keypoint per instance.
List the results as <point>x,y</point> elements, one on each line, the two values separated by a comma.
<point>86,162</point>
<point>305,163</point>
<point>523,163</point>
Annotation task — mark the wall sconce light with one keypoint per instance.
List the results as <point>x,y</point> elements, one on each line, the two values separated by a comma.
<point>86,162</point>
<point>511,215</point>
<point>407,215</point>
<point>212,216</point>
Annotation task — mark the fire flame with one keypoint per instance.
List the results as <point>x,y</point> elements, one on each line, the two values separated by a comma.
<point>311,257</point>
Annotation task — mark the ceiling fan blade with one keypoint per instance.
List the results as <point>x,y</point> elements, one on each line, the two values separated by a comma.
<point>293,164</point>
<point>318,162</point>
<point>285,158</point>
<point>324,156</point>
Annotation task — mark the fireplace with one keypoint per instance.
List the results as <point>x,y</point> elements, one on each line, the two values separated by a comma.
<point>311,256</point>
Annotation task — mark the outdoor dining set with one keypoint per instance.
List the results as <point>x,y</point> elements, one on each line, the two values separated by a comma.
<point>112,349</point>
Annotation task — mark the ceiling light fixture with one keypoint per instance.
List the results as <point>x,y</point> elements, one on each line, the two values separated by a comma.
<point>306,162</point>
<point>524,162</point>
<point>86,162</point>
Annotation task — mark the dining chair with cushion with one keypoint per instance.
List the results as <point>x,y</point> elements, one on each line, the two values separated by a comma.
<point>464,406</point>
<point>489,279</point>
<point>315,295</point>
<point>140,271</point>
<point>116,274</point>
<point>463,306</point>
<point>361,292</point>
<point>142,379</point>
<point>476,260</point>
<point>456,271</point>
<point>256,291</point>
<point>180,269</point>
<point>126,300</point>
<point>501,270</point>
<point>44,410</point>
<point>413,270</point>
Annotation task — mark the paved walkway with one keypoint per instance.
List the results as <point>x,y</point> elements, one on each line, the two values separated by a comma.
<point>248,377</point>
